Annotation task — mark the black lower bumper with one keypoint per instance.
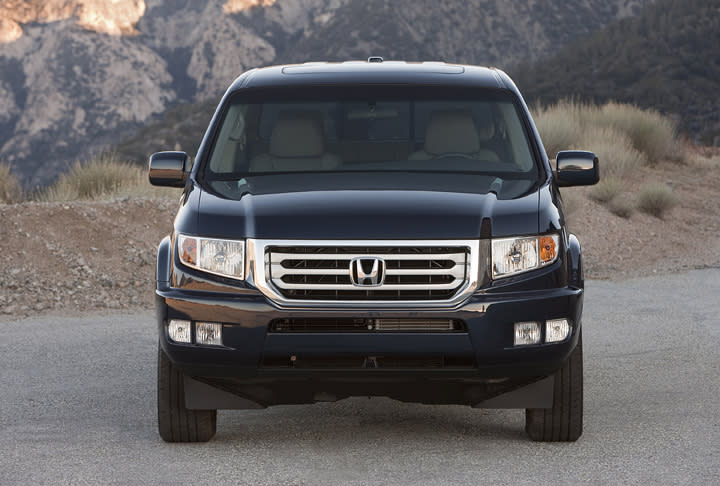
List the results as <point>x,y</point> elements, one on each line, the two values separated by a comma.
<point>270,368</point>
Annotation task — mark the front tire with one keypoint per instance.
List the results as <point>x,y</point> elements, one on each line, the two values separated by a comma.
<point>564,421</point>
<point>175,422</point>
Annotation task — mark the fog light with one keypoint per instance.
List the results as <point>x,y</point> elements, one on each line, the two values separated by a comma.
<point>179,331</point>
<point>527,333</point>
<point>556,330</point>
<point>208,333</point>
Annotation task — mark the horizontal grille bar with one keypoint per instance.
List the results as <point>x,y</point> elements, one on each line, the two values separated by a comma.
<point>456,257</point>
<point>395,248</point>
<point>333,286</point>
<point>331,273</point>
<point>277,269</point>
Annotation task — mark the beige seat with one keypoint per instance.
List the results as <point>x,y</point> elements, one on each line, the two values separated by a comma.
<point>454,133</point>
<point>296,143</point>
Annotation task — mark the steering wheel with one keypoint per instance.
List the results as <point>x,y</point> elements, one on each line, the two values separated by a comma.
<point>449,155</point>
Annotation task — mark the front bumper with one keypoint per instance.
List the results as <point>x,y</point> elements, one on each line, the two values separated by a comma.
<point>248,344</point>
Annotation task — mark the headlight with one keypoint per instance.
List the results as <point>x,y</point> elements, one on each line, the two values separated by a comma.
<point>220,257</point>
<point>515,255</point>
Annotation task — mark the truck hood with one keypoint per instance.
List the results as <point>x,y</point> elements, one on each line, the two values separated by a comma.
<point>326,206</point>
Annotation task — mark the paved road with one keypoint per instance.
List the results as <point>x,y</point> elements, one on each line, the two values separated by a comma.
<point>77,407</point>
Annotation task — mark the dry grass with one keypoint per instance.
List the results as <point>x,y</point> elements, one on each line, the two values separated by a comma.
<point>606,190</point>
<point>705,163</point>
<point>618,158</point>
<point>621,207</point>
<point>559,126</point>
<point>11,191</point>
<point>655,199</point>
<point>566,124</point>
<point>103,178</point>
<point>651,133</point>
<point>624,137</point>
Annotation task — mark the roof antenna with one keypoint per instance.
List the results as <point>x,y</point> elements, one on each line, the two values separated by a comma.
<point>375,59</point>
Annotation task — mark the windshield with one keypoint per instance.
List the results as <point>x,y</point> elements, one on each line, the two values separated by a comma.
<point>371,129</point>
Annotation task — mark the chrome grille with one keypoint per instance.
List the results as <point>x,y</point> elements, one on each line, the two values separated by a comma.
<point>411,273</point>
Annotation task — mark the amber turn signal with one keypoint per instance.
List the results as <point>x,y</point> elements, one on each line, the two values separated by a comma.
<point>548,249</point>
<point>188,249</point>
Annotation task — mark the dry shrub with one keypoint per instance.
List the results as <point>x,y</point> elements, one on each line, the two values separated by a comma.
<point>566,124</point>
<point>102,178</point>
<point>621,207</point>
<point>651,133</point>
<point>559,126</point>
<point>606,190</point>
<point>11,190</point>
<point>615,151</point>
<point>655,199</point>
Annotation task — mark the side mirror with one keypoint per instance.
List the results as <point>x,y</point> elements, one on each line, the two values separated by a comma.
<point>169,169</point>
<point>577,168</point>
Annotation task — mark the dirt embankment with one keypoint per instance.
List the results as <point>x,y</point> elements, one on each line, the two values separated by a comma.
<point>88,256</point>
<point>688,236</point>
<point>80,256</point>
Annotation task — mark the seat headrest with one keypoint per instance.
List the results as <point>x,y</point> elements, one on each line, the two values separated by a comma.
<point>451,132</point>
<point>485,124</point>
<point>297,134</point>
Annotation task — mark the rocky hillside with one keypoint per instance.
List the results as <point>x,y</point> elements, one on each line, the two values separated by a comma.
<point>494,32</point>
<point>79,75</point>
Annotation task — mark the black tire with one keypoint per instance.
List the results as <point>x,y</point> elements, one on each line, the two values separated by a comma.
<point>175,422</point>
<point>564,421</point>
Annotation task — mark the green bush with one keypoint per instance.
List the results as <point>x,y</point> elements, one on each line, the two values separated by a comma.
<point>655,199</point>
<point>11,190</point>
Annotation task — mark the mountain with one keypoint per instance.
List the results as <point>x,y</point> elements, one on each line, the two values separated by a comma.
<point>494,32</point>
<point>77,76</point>
<point>667,57</point>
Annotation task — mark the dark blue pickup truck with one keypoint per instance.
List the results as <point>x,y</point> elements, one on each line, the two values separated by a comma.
<point>370,229</point>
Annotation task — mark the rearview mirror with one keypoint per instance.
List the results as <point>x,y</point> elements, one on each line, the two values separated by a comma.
<point>577,168</point>
<point>169,169</point>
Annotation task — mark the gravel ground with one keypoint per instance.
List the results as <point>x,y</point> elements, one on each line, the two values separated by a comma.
<point>78,407</point>
<point>81,256</point>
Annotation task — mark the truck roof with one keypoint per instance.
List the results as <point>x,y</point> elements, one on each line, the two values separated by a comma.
<point>373,72</point>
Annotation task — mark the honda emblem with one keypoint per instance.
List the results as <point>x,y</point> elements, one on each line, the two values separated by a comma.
<point>367,271</point>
